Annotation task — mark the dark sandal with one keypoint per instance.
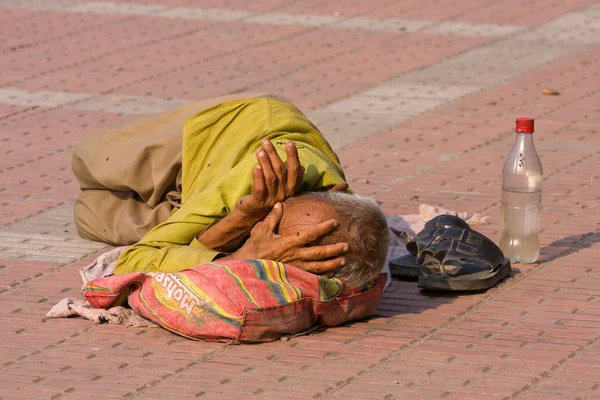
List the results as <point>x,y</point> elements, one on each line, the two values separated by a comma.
<point>437,229</point>
<point>471,262</point>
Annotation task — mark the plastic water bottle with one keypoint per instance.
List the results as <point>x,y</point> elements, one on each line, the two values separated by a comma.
<point>521,198</point>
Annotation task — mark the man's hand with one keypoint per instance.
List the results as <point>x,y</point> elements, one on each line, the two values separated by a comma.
<point>272,181</point>
<point>264,243</point>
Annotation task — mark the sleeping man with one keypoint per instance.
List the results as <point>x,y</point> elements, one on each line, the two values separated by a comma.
<point>218,190</point>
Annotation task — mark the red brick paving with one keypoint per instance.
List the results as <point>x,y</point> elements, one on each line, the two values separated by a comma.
<point>37,179</point>
<point>535,336</point>
<point>44,27</point>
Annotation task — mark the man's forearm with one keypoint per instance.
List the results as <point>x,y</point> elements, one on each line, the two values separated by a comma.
<point>228,234</point>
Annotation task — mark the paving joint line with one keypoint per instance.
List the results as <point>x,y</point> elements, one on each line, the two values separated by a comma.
<point>18,112</point>
<point>494,295</point>
<point>165,378</point>
<point>300,68</point>
<point>18,47</point>
<point>297,69</point>
<point>108,53</point>
<point>562,365</point>
<point>46,348</point>
<point>28,161</point>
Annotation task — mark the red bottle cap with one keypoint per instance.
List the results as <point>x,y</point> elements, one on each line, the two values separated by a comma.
<point>524,125</point>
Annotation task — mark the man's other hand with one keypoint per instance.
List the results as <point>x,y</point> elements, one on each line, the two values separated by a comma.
<point>273,181</point>
<point>264,243</point>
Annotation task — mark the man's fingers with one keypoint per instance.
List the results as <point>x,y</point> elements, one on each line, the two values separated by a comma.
<point>269,175</point>
<point>316,232</point>
<point>319,267</point>
<point>295,172</point>
<point>258,183</point>
<point>271,221</point>
<point>276,164</point>
<point>323,252</point>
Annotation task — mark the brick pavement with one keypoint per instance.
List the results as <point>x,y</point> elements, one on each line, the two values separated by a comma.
<point>417,97</point>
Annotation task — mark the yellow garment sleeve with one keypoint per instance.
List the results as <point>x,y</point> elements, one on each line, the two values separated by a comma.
<point>219,146</point>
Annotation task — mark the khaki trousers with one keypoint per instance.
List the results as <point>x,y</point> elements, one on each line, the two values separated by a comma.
<point>130,177</point>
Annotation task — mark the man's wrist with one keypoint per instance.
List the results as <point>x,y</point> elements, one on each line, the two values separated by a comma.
<point>243,220</point>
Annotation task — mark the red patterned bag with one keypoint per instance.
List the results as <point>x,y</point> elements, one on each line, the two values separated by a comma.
<point>237,301</point>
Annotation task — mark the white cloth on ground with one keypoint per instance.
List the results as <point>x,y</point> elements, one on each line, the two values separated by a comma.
<point>102,266</point>
<point>116,315</point>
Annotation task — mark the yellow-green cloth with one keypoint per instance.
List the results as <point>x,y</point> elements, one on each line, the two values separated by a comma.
<point>219,153</point>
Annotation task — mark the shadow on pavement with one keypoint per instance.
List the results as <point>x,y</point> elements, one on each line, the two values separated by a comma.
<point>573,244</point>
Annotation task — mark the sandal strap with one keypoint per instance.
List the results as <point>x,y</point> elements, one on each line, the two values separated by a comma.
<point>472,246</point>
<point>446,219</point>
<point>436,228</point>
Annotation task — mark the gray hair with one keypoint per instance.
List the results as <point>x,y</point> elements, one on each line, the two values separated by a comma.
<point>365,230</point>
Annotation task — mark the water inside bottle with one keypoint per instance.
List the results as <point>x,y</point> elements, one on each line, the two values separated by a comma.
<point>521,210</point>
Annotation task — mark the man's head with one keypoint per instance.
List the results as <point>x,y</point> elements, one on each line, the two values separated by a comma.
<point>362,226</point>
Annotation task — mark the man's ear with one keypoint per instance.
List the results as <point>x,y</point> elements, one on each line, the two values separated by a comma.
<point>340,187</point>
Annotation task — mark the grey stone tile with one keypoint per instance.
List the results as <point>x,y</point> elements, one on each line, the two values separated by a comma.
<point>204,14</point>
<point>43,98</point>
<point>129,104</point>
<point>383,25</point>
<point>470,29</point>
<point>293,19</point>
<point>402,89</point>
<point>581,27</point>
<point>105,7</point>
<point>44,237</point>
<point>36,5</point>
